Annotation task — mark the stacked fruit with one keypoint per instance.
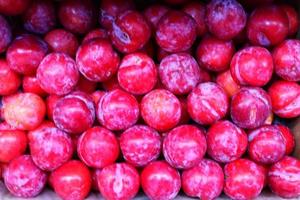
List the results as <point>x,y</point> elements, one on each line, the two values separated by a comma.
<point>160,96</point>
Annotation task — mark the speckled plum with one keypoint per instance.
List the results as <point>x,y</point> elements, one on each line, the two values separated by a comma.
<point>184,146</point>
<point>179,73</point>
<point>60,40</point>
<point>39,17</point>
<point>118,110</point>
<point>73,108</point>
<point>49,146</point>
<point>207,103</point>
<point>77,16</point>
<point>110,9</point>
<point>161,109</point>
<point>97,95</point>
<point>267,26</point>
<point>266,145</point>
<point>9,80</point>
<point>160,181</point>
<point>25,54</point>
<point>5,32</point>
<point>292,17</point>
<point>72,180</point>
<point>118,181</point>
<point>226,81</point>
<point>23,178</point>
<point>50,105</point>
<point>287,60</point>
<point>197,11</point>
<point>244,179</point>
<point>250,107</point>
<point>13,7</point>
<point>214,54</point>
<point>96,33</point>
<point>24,111</point>
<point>204,180</point>
<point>288,137</point>
<point>225,19</point>
<point>31,84</point>
<point>134,68</point>
<point>140,145</point>
<point>283,178</point>
<point>285,97</point>
<point>98,147</point>
<point>226,142</point>
<point>13,143</point>
<point>97,60</point>
<point>57,74</point>
<point>252,66</point>
<point>130,32</point>
<point>179,26</point>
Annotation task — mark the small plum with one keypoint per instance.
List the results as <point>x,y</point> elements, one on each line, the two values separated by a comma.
<point>60,40</point>
<point>72,180</point>
<point>24,111</point>
<point>73,108</point>
<point>288,137</point>
<point>205,180</point>
<point>85,85</point>
<point>50,105</point>
<point>49,146</point>
<point>134,68</point>
<point>292,17</point>
<point>226,81</point>
<point>23,178</point>
<point>250,107</point>
<point>94,34</point>
<point>207,103</point>
<point>97,60</point>
<point>31,84</point>
<point>160,181</point>
<point>184,146</point>
<point>13,7</point>
<point>283,178</point>
<point>244,179</point>
<point>39,17</point>
<point>266,144</point>
<point>179,73</point>
<point>5,32</point>
<point>226,142</point>
<point>25,54</point>
<point>197,11</point>
<point>161,109</point>
<point>287,60</point>
<point>267,26</point>
<point>285,97</point>
<point>77,16</point>
<point>9,79</point>
<point>118,110</point>
<point>14,144</point>
<point>98,147</point>
<point>154,13</point>
<point>140,145</point>
<point>225,19</point>
<point>130,32</point>
<point>176,31</point>
<point>57,74</point>
<point>252,66</point>
<point>214,54</point>
<point>118,181</point>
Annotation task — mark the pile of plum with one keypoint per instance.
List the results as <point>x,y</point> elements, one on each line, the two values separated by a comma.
<point>123,96</point>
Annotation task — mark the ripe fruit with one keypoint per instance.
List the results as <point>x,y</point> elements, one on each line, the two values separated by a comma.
<point>117,110</point>
<point>160,181</point>
<point>184,146</point>
<point>140,145</point>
